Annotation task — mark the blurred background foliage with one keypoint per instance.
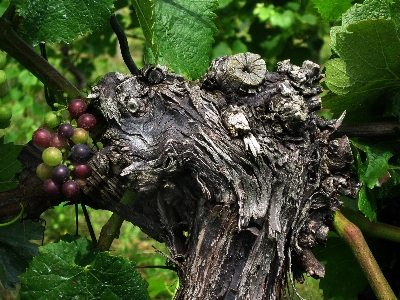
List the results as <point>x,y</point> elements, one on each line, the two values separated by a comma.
<point>277,30</point>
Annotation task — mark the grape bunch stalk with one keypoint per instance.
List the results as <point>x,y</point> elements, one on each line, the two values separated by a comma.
<point>64,169</point>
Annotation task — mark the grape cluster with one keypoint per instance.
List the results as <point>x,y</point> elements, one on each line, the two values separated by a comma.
<point>65,168</point>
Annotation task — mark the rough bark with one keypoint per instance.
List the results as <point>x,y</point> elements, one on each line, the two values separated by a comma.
<point>238,175</point>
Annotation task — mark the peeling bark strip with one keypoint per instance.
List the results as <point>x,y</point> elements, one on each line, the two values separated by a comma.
<point>238,161</point>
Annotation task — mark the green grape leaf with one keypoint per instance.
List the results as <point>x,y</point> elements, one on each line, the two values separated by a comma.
<point>74,268</point>
<point>332,10</point>
<point>374,171</point>
<point>16,250</point>
<point>145,13</point>
<point>183,35</point>
<point>367,68</point>
<point>55,21</point>
<point>368,46</point>
<point>9,166</point>
<point>367,203</point>
<point>368,58</point>
<point>339,260</point>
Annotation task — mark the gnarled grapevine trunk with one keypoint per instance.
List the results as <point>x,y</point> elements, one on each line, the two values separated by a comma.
<point>237,170</point>
<point>238,175</point>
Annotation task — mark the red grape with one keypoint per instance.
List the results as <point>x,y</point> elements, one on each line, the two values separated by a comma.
<point>77,107</point>
<point>57,141</point>
<point>60,173</point>
<point>70,189</point>
<point>41,137</point>
<point>82,170</point>
<point>65,130</point>
<point>51,188</point>
<point>80,152</point>
<point>87,121</point>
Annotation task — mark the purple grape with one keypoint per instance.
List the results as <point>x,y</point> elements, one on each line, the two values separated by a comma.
<point>87,121</point>
<point>41,137</point>
<point>51,188</point>
<point>77,107</point>
<point>80,152</point>
<point>82,170</point>
<point>70,189</point>
<point>65,130</point>
<point>57,141</point>
<point>60,173</point>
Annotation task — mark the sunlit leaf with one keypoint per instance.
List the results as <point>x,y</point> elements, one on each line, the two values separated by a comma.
<point>77,270</point>
<point>55,21</point>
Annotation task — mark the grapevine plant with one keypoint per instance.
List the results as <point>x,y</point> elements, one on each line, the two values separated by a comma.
<point>362,79</point>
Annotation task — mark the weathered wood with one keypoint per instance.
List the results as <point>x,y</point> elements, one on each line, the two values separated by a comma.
<point>238,176</point>
<point>239,161</point>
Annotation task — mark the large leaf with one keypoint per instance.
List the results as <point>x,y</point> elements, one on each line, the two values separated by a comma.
<point>182,35</point>
<point>369,55</point>
<point>9,166</point>
<point>332,10</point>
<point>145,13</point>
<point>368,69</point>
<point>16,252</point>
<point>55,21</point>
<point>75,269</point>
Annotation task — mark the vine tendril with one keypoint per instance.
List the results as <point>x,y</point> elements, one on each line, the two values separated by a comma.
<point>16,218</point>
<point>123,44</point>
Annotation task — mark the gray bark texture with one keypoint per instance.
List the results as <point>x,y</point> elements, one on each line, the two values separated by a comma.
<point>237,174</point>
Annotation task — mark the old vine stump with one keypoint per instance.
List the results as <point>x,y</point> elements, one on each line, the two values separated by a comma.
<point>238,175</point>
<point>238,161</point>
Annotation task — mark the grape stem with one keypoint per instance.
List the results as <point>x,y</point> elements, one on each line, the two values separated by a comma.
<point>89,224</point>
<point>30,59</point>
<point>111,229</point>
<point>353,237</point>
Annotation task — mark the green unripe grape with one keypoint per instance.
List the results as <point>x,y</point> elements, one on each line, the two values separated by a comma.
<point>44,171</point>
<point>4,124</point>
<point>3,59</point>
<point>3,84</point>
<point>3,77</point>
<point>5,117</point>
<point>52,156</point>
<point>5,114</point>
<point>51,119</point>
<point>80,136</point>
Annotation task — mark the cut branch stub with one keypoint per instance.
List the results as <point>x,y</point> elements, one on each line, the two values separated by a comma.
<point>239,73</point>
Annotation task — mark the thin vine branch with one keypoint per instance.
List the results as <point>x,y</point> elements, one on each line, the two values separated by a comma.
<point>123,44</point>
<point>371,129</point>
<point>373,229</point>
<point>353,237</point>
<point>110,230</point>
<point>36,64</point>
